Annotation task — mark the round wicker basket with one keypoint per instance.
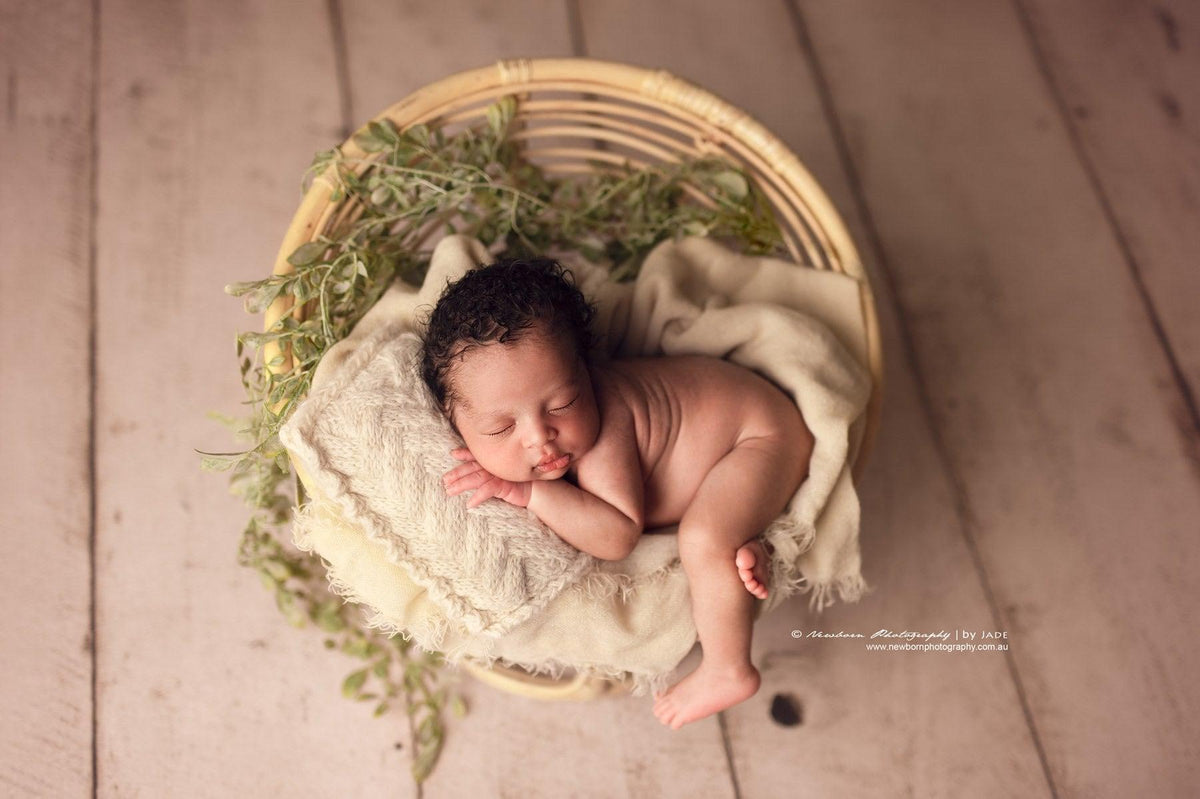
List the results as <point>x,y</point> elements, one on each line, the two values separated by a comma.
<point>574,113</point>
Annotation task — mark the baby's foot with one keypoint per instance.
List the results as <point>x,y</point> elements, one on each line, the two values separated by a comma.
<point>752,566</point>
<point>705,691</point>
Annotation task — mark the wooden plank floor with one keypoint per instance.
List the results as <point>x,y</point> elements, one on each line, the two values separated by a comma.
<point>1022,179</point>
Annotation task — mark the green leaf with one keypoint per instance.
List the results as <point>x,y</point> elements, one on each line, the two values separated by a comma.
<point>370,143</point>
<point>419,134</point>
<point>429,730</point>
<point>308,253</point>
<point>499,114</point>
<point>220,463</point>
<point>328,616</point>
<point>732,183</point>
<point>238,289</point>
<point>424,761</point>
<point>277,569</point>
<point>383,131</point>
<point>286,603</point>
<point>331,623</point>
<point>258,300</point>
<point>356,648</point>
<point>353,683</point>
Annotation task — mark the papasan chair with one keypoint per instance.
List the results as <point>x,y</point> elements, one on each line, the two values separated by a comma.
<point>573,116</point>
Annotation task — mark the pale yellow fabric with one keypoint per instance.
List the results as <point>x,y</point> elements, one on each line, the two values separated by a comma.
<point>800,327</point>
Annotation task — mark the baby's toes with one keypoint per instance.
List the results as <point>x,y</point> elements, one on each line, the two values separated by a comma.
<point>751,561</point>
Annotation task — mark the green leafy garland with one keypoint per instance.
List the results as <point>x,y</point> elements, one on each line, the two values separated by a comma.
<point>411,185</point>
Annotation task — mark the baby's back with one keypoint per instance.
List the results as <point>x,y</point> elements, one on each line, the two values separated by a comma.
<point>688,413</point>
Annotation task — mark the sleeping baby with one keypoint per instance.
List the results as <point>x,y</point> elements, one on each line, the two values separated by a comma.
<point>602,451</point>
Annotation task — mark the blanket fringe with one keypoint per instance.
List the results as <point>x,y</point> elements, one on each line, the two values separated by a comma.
<point>432,633</point>
<point>851,588</point>
<point>600,585</point>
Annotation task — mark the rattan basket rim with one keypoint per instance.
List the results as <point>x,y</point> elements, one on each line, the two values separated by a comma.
<point>650,88</point>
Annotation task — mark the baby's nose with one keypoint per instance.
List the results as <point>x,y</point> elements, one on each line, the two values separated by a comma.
<point>539,434</point>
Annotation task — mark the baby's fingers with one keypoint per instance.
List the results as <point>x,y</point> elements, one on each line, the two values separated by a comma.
<point>462,454</point>
<point>459,472</point>
<point>467,482</point>
<point>482,494</point>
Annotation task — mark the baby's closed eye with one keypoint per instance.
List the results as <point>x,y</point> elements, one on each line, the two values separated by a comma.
<point>559,410</point>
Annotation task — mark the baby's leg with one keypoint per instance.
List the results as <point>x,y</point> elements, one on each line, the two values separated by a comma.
<point>738,498</point>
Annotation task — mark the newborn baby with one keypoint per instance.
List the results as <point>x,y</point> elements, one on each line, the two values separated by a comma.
<point>602,451</point>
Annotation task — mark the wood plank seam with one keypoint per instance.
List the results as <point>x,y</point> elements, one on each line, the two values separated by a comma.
<point>93,359</point>
<point>341,60</point>
<point>962,510</point>
<point>727,745</point>
<point>1025,18</point>
<point>575,28</point>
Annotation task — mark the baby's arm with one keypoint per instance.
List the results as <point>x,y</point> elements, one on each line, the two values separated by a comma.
<point>605,516</point>
<point>580,518</point>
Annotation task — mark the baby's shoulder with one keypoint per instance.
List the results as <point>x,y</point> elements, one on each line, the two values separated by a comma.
<point>617,445</point>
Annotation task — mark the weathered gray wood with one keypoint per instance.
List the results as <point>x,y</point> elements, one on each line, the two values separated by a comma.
<point>396,48</point>
<point>210,114</point>
<point>45,493</point>
<point>607,747</point>
<point>1127,73</point>
<point>1064,434</point>
<point>1050,393</point>
<point>876,723</point>
<point>509,745</point>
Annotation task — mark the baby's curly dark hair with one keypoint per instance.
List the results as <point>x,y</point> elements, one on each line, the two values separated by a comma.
<point>502,302</point>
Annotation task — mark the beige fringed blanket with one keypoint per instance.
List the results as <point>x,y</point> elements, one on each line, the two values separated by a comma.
<point>493,583</point>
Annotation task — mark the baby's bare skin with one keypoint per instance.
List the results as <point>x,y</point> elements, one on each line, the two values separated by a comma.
<point>688,415</point>
<point>691,440</point>
<point>688,412</point>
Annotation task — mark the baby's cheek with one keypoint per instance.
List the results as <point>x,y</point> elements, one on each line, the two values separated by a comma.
<point>499,464</point>
<point>591,429</point>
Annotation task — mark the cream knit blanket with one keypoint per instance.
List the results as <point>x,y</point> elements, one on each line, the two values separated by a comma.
<point>493,583</point>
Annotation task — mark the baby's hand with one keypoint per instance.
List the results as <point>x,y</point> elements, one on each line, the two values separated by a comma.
<point>470,475</point>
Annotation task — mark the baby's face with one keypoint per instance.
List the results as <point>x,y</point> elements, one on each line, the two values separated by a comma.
<point>527,410</point>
